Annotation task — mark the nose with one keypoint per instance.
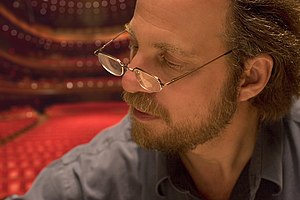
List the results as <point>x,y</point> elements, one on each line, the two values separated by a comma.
<point>130,83</point>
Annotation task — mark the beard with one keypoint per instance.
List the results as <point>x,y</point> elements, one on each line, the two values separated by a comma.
<point>186,135</point>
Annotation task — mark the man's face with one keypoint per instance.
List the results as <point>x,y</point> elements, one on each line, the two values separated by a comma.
<point>169,39</point>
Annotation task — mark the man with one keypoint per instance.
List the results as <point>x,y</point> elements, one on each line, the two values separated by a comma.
<point>210,85</point>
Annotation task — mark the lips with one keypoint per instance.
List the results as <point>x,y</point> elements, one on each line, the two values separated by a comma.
<point>142,116</point>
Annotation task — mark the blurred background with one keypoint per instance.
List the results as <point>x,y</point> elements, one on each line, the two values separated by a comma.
<point>46,50</point>
<point>54,94</point>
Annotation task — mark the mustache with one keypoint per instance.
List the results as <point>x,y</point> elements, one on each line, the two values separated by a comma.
<point>146,103</point>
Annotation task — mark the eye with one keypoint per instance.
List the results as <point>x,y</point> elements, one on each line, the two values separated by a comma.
<point>169,63</point>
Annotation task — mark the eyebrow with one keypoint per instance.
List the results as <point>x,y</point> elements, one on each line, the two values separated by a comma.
<point>162,45</point>
<point>170,48</point>
<point>129,30</point>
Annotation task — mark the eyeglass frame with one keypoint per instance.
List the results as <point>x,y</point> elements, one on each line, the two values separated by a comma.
<point>125,67</point>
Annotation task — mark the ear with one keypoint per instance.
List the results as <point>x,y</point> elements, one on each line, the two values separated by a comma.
<point>255,76</point>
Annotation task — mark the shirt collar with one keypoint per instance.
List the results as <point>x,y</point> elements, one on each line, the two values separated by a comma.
<point>266,162</point>
<point>171,171</point>
<point>268,152</point>
<point>161,171</point>
<point>161,167</point>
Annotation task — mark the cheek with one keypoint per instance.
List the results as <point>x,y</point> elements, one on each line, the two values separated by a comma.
<point>193,99</point>
<point>187,105</point>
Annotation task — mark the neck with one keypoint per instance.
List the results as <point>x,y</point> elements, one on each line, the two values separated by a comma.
<point>216,165</point>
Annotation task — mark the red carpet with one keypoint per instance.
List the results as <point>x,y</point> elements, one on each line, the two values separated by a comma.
<point>66,127</point>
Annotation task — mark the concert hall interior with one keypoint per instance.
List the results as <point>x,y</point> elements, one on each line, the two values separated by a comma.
<point>54,94</point>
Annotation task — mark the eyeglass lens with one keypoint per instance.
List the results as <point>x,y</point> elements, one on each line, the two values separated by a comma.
<point>111,65</point>
<point>147,81</point>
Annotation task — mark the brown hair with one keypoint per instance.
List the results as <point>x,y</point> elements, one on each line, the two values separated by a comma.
<point>268,27</point>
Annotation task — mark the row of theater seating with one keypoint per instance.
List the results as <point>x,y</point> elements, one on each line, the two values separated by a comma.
<point>58,12</point>
<point>16,120</point>
<point>54,87</point>
<point>18,39</point>
<point>65,127</point>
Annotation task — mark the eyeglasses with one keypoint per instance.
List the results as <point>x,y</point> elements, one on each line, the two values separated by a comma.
<point>146,80</point>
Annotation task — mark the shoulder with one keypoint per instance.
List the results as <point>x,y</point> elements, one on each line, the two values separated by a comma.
<point>112,149</point>
<point>111,161</point>
<point>110,141</point>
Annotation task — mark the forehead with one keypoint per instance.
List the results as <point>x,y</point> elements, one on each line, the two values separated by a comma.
<point>185,20</point>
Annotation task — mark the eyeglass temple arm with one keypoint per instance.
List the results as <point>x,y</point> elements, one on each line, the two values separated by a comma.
<point>110,41</point>
<point>187,73</point>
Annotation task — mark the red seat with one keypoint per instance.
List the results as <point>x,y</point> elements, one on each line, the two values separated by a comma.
<point>24,157</point>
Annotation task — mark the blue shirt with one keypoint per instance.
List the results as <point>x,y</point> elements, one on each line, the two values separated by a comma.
<point>113,167</point>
